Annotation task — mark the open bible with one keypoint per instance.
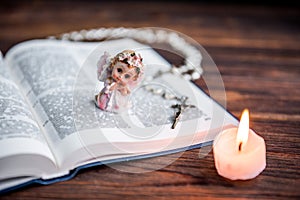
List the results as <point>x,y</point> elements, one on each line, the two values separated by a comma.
<point>50,127</point>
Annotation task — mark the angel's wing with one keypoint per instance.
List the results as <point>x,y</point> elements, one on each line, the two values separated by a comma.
<point>102,66</point>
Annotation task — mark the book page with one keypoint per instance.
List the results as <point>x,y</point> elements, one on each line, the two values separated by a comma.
<point>46,72</point>
<point>16,118</point>
<point>20,135</point>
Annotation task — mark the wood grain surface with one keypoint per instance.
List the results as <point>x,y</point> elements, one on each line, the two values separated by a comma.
<point>257,50</point>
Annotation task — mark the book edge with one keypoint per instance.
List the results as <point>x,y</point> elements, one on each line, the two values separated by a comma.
<point>75,171</point>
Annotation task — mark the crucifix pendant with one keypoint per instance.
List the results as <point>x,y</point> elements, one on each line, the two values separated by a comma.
<point>177,115</point>
<point>180,108</point>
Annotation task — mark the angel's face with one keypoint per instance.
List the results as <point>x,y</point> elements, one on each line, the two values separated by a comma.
<point>123,74</point>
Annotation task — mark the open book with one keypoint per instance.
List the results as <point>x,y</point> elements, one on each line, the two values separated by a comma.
<point>50,127</point>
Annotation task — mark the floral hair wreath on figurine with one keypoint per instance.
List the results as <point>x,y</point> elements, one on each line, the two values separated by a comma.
<point>120,75</point>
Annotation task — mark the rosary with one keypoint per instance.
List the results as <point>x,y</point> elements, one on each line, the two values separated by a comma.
<point>191,69</point>
<point>179,107</point>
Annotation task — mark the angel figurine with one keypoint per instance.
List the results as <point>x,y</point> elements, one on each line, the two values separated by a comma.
<point>120,75</point>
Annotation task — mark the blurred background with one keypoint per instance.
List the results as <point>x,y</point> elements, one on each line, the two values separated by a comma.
<point>211,23</point>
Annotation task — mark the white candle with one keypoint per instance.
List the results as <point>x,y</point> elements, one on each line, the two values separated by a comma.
<point>239,153</point>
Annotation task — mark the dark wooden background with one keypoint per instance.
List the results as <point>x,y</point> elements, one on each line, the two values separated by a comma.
<point>257,50</point>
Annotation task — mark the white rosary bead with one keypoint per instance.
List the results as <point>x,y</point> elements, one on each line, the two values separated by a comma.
<point>65,36</point>
<point>161,36</point>
<point>158,91</point>
<point>169,96</point>
<point>187,76</point>
<point>196,75</point>
<point>192,55</point>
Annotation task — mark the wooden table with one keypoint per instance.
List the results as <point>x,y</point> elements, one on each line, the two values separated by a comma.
<point>256,49</point>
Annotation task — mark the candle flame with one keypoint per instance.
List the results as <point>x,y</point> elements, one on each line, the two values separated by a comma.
<point>243,130</point>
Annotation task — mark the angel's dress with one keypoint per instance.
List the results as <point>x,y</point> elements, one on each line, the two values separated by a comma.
<point>112,101</point>
<point>104,99</point>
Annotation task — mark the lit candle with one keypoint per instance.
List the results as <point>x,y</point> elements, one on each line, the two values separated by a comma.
<point>239,153</point>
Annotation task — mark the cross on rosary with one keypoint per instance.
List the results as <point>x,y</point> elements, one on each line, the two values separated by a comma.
<point>181,107</point>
